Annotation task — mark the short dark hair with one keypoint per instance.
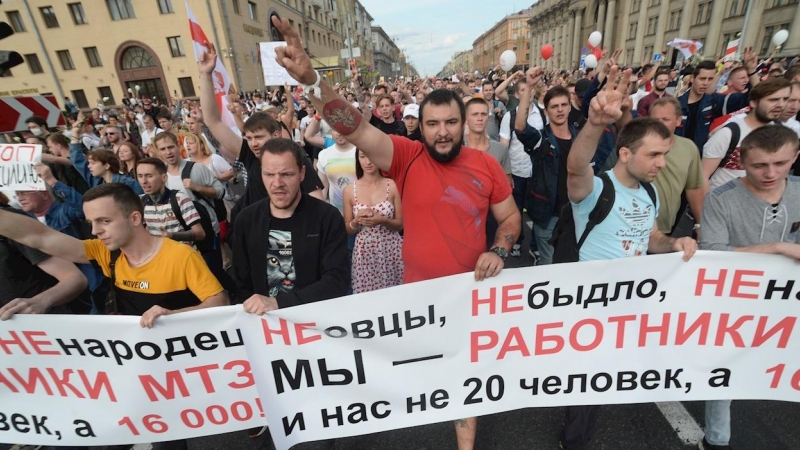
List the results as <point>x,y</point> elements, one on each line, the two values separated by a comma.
<point>768,87</point>
<point>37,120</point>
<point>279,146</point>
<point>38,139</point>
<point>124,198</point>
<point>487,81</point>
<point>160,166</point>
<point>770,139</point>
<point>704,65</point>
<point>381,86</point>
<point>104,156</point>
<point>58,138</point>
<point>441,97</point>
<point>476,101</point>
<point>165,115</point>
<point>661,72</point>
<point>634,132</point>
<point>166,135</point>
<point>383,97</point>
<point>792,72</point>
<point>112,116</point>
<point>557,91</point>
<point>261,121</point>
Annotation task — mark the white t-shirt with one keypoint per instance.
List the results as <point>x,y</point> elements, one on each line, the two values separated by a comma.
<point>339,167</point>
<point>218,165</point>
<point>520,161</point>
<point>147,136</point>
<point>717,148</point>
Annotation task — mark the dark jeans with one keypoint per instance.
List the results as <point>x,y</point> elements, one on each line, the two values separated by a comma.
<point>579,423</point>
<point>213,259</point>
<point>519,193</point>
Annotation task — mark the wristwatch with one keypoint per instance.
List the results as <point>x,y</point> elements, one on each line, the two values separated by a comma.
<point>500,251</point>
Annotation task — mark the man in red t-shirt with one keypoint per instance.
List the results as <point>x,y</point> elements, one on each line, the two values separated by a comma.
<point>447,190</point>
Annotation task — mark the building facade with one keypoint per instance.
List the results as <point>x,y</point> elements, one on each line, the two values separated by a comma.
<point>460,60</point>
<point>385,53</point>
<point>510,33</point>
<point>642,28</point>
<point>94,49</point>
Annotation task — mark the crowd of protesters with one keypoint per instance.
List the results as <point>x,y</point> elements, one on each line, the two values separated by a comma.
<point>314,196</point>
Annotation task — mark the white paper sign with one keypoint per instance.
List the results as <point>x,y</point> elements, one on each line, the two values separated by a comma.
<point>16,167</point>
<point>274,74</point>
<point>634,330</point>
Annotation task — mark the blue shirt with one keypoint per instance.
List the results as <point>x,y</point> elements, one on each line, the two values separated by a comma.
<point>626,230</point>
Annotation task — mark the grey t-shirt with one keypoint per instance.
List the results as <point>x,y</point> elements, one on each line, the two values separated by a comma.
<point>493,123</point>
<point>500,153</point>
<point>734,217</point>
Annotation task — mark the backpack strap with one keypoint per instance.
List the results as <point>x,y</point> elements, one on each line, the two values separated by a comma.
<point>650,192</point>
<point>601,209</point>
<point>735,135</point>
<point>111,298</point>
<point>187,173</point>
<point>176,209</point>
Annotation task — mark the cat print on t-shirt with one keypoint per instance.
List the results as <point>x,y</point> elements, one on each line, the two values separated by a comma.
<point>281,275</point>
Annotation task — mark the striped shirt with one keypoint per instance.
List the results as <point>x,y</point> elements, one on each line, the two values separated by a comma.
<point>160,217</point>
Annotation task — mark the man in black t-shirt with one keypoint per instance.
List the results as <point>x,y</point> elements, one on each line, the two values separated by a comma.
<point>385,121</point>
<point>258,130</point>
<point>33,282</point>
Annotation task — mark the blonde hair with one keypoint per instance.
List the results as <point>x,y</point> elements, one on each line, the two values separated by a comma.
<point>201,143</point>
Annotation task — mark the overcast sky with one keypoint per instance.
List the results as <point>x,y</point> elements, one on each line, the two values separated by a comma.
<point>430,31</point>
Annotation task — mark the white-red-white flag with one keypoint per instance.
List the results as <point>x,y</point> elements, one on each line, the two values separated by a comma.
<point>730,50</point>
<point>220,78</point>
<point>686,46</point>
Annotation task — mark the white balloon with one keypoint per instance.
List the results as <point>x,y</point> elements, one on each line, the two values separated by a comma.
<point>780,37</point>
<point>105,99</point>
<point>590,61</point>
<point>507,60</point>
<point>137,87</point>
<point>595,38</point>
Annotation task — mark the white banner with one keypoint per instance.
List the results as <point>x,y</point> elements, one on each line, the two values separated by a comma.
<point>92,380</point>
<point>649,329</point>
<point>16,167</point>
<point>722,326</point>
<point>274,74</point>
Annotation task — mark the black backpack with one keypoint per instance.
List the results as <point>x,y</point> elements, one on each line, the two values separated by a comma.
<point>207,244</point>
<point>219,206</point>
<point>735,135</point>
<point>565,244</point>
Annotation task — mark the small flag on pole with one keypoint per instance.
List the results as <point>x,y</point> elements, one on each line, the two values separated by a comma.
<point>731,49</point>
<point>220,77</point>
<point>686,46</point>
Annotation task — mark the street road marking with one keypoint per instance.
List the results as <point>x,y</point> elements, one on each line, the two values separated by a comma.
<point>682,422</point>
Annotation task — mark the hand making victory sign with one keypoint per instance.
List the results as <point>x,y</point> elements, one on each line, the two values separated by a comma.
<point>293,57</point>
<point>606,107</point>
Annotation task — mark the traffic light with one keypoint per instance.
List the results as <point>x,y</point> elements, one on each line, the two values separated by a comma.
<point>8,59</point>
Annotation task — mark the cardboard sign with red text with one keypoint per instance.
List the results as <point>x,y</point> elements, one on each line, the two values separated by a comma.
<point>16,167</point>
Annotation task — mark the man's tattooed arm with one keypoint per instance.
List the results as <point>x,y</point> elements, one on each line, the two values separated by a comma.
<point>342,116</point>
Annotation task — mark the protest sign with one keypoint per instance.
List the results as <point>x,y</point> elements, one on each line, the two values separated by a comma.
<point>93,380</point>
<point>274,74</point>
<point>647,329</point>
<point>16,167</point>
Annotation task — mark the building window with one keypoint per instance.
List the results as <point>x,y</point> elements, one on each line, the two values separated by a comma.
<point>734,9</point>
<point>629,55</point>
<point>33,63</point>
<point>648,52</point>
<point>78,16</point>
<point>632,30</point>
<point>767,39</point>
<point>92,56</point>
<point>176,46</point>
<point>236,6</point>
<point>104,92</point>
<point>16,21</point>
<point>136,58</point>
<point>675,20</point>
<point>651,26</point>
<point>187,86</point>
<point>66,60</point>
<point>655,2</point>
<point>636,6</point>
<point>49,17</point>
<point>253,12</point>
<point>703,13</point>
<point>165,6</point>
<point>80,98</point>
<point>120,9</point>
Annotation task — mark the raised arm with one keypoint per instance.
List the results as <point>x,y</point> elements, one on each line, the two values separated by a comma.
<point>340,115</point>
<point>230,142</point>
<point>605,109</point>
<point>31,232</point>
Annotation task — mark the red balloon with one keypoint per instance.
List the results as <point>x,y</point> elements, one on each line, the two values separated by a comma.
<point>597,53</point>
<point>547,51</point>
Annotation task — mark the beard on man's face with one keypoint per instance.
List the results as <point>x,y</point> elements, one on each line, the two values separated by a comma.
<point>454,151</point>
